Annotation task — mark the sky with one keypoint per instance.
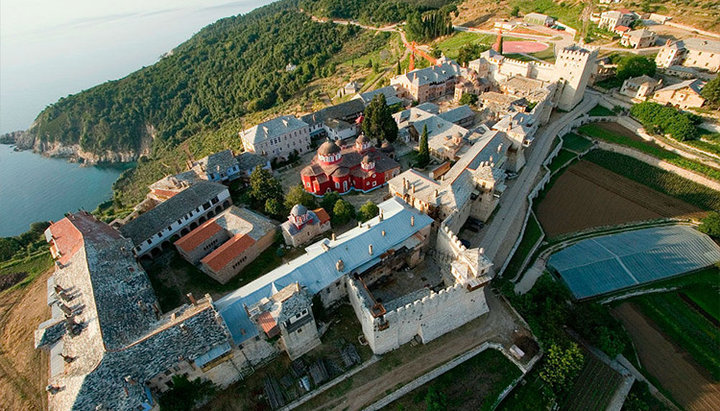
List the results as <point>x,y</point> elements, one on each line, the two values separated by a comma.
<point>51,48</point>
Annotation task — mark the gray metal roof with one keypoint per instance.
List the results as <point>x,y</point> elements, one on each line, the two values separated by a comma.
<point>343,111</point>
<point>248,161</point>
<point>164,214</point>
<point>711,46</point>
<point>273,128</point>
<point>612,262</point>
<point>434,74</point>
<point>218,162</point>
<point>316,269</point>
<point>390,93</point>
<point>694,84</point>
<point>457,114</point>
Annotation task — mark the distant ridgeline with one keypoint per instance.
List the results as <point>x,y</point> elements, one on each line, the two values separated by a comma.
<point>233,66</point>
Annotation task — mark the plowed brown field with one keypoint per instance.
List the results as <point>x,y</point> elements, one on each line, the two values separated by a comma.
<point>587,195</point>
<point>673,367</point>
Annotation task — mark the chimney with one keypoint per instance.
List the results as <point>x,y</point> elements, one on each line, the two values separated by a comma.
<point>412,221</point>
<point>340,265</point>
<point>129,379</point>
<point>183,327</point>
<point>413,188</point>
<point>52,389</point>
<point>332,236</point>
<point>370,250</point>
<point>381,215</point>
<point>65,309</point>
<point>58,289</point>
<point>383,233</point>
<point>191,298</point>
<point>67,358</point>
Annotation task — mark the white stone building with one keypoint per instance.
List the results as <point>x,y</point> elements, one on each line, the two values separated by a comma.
<point>277,138</point>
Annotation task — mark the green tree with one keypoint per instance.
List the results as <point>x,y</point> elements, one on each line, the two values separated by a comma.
<point>185,394</point>
<point>343,212</point>
<point>367,211</point>
<point>470,52</point>
<point>398,70</point>
<point>298,195</point>
<point>635,66</point>
<point>263,186</point>
<point>515,11</point>
<point>710,225</point>
<point>328,201</point>
<point>423,157</point>
<point>561,366</point>
<point>711,92</point>
<point>469,98</point>
<point>273,207</point>
<point>435,400</point>
<point>378,123</point>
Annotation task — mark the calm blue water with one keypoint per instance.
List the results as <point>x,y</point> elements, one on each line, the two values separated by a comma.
<point>35,188</point>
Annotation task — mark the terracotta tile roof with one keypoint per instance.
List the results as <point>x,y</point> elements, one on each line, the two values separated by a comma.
<point>67,240</point>
<point>268,324</point>
<point>198,236</point>
<point>322,215</point>
<point>622,28</point>
<point>235,246</point>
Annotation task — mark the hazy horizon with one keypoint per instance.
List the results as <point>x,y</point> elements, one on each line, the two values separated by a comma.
<point>51,49</point>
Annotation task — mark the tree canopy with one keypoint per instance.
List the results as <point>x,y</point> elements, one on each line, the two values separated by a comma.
<point>666,120</point>
<point>635,66</point>
<point>710,225</point>
<point>428,26</point>
<point>264,187</point>
<point>298,195</point>
<point>423,157</point>
<point>343,212</point>
<point>561,366</point>
<point>367,211</point>
<point>378,123</point>
<point>711,92</point>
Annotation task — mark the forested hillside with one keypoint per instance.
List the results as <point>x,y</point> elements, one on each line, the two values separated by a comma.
<point>372,11</point>
<point>234,66</point>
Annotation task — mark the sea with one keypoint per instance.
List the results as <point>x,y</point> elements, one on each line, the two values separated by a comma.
<point>36,188</point>
<point>82,43</point>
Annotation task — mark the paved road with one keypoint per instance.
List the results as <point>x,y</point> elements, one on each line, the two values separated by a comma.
<point>498,238</point>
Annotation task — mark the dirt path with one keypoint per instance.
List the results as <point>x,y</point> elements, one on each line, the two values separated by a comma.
<point>497,326</point>
<point>23,370</point>
<point>668,363</point>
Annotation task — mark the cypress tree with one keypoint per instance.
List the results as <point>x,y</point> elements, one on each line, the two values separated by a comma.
<point>423,149</point>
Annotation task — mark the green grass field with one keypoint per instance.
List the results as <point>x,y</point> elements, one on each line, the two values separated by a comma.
<point>600,111</point>
<point>657,179</point>
<point>530,238</point>
<point>562,158</point>
<point>460,388</point>
<point>451,45</point>
<point>576,143</point>
<point>707,297</point>
<point>31,266</point>
<point>597,131</point>
<point>685,326</point>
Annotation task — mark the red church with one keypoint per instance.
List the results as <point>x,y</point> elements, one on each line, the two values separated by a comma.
<point>360,167</point>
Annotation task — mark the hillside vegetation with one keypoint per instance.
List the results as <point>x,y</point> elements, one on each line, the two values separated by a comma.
<point>230,68</point>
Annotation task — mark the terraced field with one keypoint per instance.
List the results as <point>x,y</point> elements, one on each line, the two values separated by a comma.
<point>595,386</point>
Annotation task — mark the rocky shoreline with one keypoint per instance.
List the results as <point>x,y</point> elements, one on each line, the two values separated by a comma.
<point>24,140</point>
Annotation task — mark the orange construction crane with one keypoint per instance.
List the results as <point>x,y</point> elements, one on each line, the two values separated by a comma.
<point>412,46</point>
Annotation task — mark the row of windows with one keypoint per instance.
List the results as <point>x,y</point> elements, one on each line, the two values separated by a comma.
<point>187,217</point>
<point>240,261</point>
